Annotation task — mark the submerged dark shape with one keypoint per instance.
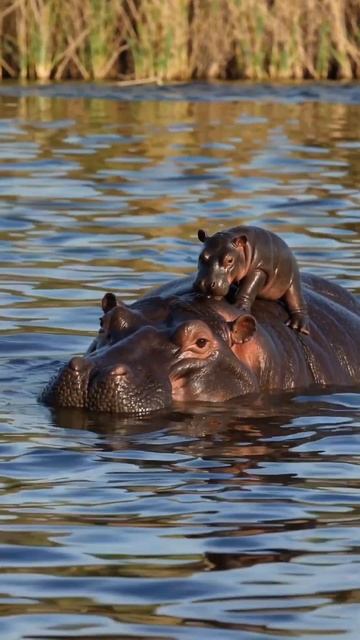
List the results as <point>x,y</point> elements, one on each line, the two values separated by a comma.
<point>183,346</point>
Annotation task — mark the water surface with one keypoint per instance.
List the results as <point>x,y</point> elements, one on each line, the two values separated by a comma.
<point>222,522</point>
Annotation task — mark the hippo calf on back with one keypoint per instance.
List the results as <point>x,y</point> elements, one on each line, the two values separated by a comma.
<point>259,263</point>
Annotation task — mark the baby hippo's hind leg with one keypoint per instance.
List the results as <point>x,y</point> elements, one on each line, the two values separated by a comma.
<point>299,319</point>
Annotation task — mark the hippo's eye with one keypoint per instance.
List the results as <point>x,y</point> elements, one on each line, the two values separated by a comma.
<point>101,321</point>
<point>204,257</point>
<point>201,343</point>
<point>229,261</point>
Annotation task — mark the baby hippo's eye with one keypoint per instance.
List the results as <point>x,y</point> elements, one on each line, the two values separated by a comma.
<point>229,261</point>
<point>201,343</point>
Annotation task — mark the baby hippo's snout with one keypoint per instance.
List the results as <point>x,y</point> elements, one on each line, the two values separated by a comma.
<point>214,286</point>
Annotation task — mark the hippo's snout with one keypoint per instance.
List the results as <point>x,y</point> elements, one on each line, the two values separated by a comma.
<point>68,388</point>
<point>127,390</point>
<point>117,379</point>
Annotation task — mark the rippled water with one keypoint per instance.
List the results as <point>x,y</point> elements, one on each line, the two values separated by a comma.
<point>234,522</point>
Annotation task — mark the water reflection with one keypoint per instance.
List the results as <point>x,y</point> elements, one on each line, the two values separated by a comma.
<point>229,521</point>
<point>204,517</point>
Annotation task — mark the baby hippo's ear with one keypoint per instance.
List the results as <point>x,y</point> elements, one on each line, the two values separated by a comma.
<point>202,235</point>
<point>242,329</point>
<point>108,302</point>
<point>239,241</point>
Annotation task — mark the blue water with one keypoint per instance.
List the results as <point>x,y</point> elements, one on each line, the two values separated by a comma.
<point>230,522</point>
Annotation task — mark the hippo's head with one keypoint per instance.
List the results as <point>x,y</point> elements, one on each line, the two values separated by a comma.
<point>154,366</point>
<point>221,263</point>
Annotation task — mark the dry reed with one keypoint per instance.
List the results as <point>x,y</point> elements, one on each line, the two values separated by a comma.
<point>180,39</point>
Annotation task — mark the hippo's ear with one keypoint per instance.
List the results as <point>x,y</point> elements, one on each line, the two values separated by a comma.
<point>108,302</point>
<point>239,241</point>
<point>242,329</point>
<point>202,235</point>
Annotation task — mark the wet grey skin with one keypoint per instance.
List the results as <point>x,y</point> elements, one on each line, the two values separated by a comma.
<point>142,372</point>
<point>189,347</point>
<point>125,379</point>
<point>68,388</point>
<point>103,381</point>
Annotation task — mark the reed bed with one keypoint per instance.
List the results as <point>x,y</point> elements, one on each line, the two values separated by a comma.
<point>167,40</point>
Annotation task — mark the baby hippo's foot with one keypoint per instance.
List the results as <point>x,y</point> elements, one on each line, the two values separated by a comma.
<point>241,302</point>
<point>245,308</point>
<point>299,321</point>
<point>243,305</point>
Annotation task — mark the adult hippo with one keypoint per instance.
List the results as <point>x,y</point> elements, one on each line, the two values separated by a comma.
<point>182,346</point>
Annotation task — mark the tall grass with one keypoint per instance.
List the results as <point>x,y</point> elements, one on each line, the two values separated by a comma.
<point>159,44</point>
<point>180,39</point>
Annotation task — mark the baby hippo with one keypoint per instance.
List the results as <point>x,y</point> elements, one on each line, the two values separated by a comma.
<point>259,264</point>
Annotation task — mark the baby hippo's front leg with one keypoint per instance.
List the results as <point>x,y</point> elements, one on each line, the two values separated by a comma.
<point>248,289</point>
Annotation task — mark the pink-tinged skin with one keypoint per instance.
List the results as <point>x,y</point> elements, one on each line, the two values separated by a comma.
<point>259,264</point>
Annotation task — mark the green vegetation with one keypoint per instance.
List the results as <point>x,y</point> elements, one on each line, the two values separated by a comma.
<point>180,39</point>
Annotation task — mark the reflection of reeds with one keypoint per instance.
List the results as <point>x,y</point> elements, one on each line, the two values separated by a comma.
<point>180,39</point>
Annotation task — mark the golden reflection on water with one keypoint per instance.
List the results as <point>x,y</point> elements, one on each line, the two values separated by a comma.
<point>115,187</point>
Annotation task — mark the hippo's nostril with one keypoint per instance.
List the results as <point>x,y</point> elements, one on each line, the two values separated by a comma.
<point>77,364</point>
<point>212,284</point>
<point>120,370</point>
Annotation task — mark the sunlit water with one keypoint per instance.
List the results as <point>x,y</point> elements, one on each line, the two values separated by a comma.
<point>236,522</point>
